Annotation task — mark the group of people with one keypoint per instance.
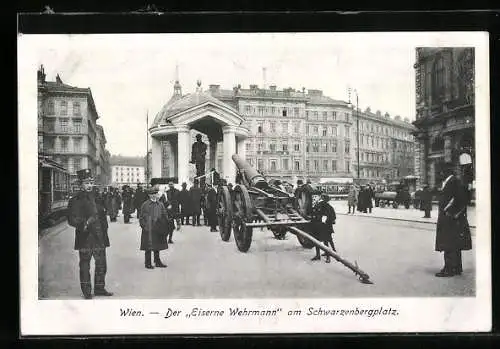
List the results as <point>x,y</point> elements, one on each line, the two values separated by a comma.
<point>360,199</point>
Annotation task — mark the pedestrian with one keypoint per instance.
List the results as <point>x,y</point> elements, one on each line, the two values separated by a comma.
<point>127,203</point>
<point>114,203</point>
<point>370,195</point>
<point>452,229</point>
<point>204,204</point>
<point>426,201</point>
<point>196,198</point>
<point>154,222</point>
<point>139,198</point>
<point>185,203</point>
<point>172,197</point>
<point>211,209</point>
<point>352,199</point>
<point>323,219</point>
<point>91,238</point>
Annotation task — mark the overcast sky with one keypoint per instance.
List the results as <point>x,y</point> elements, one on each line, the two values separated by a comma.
<point>133,74</point>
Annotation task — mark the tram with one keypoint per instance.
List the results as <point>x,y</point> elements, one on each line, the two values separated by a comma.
<point>53,191</point>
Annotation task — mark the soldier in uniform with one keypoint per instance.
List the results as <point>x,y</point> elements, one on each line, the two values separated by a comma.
<point>154,221</point>
<point>323,219</point>
<point>87,216</point>
<point>452,229</point>
<point>198,155</point>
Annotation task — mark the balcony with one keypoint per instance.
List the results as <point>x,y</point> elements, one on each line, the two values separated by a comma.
<point>65,130</point>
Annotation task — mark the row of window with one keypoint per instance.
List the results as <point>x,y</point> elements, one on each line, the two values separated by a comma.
<point>72,164</point>
<point>384,130</point>
<point>295,111</point>
<point>64,125</point>
<point>370,157</point>
<point>128,169</point>
<point>63,107</point>
<point>61,144</point>
<point>313,147</point>
<point>273,165</point>
<point>310,129</point>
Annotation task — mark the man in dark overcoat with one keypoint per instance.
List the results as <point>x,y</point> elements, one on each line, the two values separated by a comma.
<point>128,203</point>
<point>211,209</point>
<point>195,196</point>
<point>452,229</point>
<point>114,204</point>
<point>172,197</point>
<point>426,201</point>
<point>154,221</point>
<point>370,195</point>
<point>139,198</point>
<point>87,216</point>
<point>185,203</point>
<point>323,219</point>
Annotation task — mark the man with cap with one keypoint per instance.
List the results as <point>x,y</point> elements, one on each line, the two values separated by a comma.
<point>323,219</point>
<point>198,155</point>
<point>91,237</point>
<point>154,221</point>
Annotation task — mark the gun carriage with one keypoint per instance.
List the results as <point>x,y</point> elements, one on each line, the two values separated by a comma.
<point>256,203</point>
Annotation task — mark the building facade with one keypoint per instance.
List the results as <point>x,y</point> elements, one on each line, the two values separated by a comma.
<point>304,134</point>
<point>127,171</point>
<point>103,173</point>
<point>445,117</point>
<point>67,125</point>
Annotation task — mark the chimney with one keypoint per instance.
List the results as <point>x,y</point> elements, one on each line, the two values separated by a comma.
<point>379,113</point>
<point>272,87</point>
<point>368,110</point>
<point>254,87</point>
<point>41,75</point>
<point>317,93</point>
<point>264,80</point>
<point>386,115</point>
<point>407,120</point>
<point>397,117</point>
<point>58,79</point>
<point>214,88</point>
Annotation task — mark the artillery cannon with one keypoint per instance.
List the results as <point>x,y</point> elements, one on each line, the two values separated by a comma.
<point>256,203</point>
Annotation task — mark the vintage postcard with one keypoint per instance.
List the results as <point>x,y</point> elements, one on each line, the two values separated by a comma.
<point>254,183</point>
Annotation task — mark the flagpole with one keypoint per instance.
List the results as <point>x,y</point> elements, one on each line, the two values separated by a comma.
<point>147,148</point>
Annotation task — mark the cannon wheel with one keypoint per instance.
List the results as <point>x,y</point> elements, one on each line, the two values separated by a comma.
<point>242,214</point>
<point>382,203</point>
<point>224,213</point>
<point>395,204</point>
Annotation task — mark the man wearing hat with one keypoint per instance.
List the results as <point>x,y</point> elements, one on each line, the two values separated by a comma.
<point>185,203</point>
<point>198,155</point>
<point>154,221</point>
<point>91,237</point>
<point>172,196</point>
<point>323,219</point>
<point>426,201</point>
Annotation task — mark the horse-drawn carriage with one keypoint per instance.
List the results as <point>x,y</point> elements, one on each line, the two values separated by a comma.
<point>256,203</point>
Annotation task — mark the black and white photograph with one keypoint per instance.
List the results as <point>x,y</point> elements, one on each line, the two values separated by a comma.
<point>254,182</point>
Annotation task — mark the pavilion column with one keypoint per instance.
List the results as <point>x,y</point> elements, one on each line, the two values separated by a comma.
<point>241,148</point>
<point>212,154</point>
<point>183,154</point>
<point>155,157</point>
<point>229,146</point>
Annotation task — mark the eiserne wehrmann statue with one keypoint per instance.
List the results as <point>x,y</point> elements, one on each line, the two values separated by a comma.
<point>198,154</point>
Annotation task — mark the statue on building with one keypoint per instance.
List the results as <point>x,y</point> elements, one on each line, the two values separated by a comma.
<point>198,154</point>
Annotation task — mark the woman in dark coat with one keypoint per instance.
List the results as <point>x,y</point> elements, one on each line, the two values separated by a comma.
<point>323,219</point>
<point>195,196</point>
<point>154,223</point>
<point>452,229</point>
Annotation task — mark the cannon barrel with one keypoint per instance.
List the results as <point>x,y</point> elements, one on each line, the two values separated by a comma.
<point>251,175</point>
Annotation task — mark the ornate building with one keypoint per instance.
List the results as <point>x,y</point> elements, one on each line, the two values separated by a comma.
<point>305,134</point>
<point>445,116</point>
<point>68,132</point>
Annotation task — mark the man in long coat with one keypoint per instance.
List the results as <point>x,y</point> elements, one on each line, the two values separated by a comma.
<point>426,201</point>
<point>172,197</point>
<point>87,216</point>
<point>139,198</point>
<point>195,196</point>
<point>452,229</point>
<point>352,199</point>
<point>114,204</point>
<point>323,219</point>
<point>154,221</point>
<point>211,209</point>
<point>185,203</point>
<point>128,203</point>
